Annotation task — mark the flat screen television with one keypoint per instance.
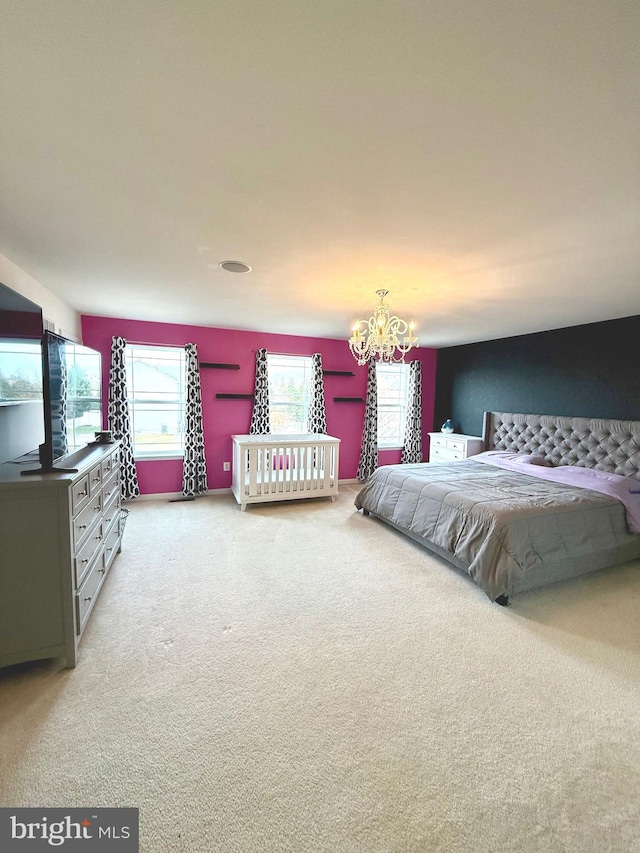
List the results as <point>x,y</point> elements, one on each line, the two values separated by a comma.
<point>72,400</point>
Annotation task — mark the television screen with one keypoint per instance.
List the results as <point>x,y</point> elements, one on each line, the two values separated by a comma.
<point>73,405</point>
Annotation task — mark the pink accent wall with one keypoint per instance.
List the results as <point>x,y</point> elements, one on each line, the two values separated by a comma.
<point>224,418</point>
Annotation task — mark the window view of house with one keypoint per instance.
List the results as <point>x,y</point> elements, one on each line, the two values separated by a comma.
<point>393,389</point>
<point>290,386</point>
<point>84,415</point>
<point>156,395</point>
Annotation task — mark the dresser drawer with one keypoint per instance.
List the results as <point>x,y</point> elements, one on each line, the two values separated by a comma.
<point>85,520</point>
<point>110,486</point>
<point>88,553</point>
<point>79,494</point>
<point>95,479</point>
<point>110,463</point>
<point>111,511</point>
<point>111,544</point>
<point>87,594</point>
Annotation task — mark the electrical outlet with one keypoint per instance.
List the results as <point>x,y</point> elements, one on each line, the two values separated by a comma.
<point>226,466</point>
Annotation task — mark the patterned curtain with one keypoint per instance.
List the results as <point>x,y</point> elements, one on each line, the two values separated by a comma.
<point>369,453</point>
<point>59,394</point>
<point>194,470</point>
<point>260,422</point>
<point>317,420</point>
<point>118,418</point>
<point>412,450</point>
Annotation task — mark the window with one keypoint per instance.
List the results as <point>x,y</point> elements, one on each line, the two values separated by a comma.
<point>156,394</point>
<point>20,370</point>
<point>84,410</point>
<point>290,384</point>
<point>393,390</point>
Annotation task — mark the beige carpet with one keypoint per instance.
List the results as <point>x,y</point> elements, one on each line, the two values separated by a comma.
<point>301,678</point>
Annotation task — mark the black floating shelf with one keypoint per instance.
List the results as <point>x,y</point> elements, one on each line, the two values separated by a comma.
<point>348,399</point>
<point>338,373</point>
<point>234,396</point>
<point>219,366</point>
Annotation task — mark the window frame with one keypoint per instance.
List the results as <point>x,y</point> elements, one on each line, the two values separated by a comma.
<point>180,401</point>
<point>306,365</point>
<point>396,442</point>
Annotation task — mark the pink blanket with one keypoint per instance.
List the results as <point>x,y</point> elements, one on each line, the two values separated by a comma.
<point>625,489</point>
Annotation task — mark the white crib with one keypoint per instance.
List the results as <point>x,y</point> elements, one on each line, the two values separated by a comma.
<point>284,467</point>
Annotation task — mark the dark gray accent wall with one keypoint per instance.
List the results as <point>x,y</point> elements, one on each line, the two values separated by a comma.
<point>585,371</point>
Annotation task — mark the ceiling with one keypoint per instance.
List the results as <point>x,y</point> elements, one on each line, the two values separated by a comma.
<point>477,158</point>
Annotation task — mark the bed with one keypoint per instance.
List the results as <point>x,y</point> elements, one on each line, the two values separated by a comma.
<point>549,499</point>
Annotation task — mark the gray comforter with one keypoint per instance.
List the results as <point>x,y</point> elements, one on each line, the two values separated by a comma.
<point>510,531</point>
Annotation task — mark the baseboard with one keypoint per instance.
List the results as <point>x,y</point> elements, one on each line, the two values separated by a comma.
<point>172,496</point>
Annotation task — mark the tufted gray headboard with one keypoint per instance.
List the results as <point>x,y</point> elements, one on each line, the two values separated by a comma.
<point>608,445</point>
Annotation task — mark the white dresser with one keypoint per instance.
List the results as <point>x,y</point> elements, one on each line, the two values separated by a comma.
<point>448,447</point>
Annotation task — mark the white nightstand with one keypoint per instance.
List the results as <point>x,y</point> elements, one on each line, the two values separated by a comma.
<point>447,447</point>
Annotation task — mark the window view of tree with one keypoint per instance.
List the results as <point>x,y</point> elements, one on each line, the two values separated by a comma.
<point>20,370</point>
<point>393,389</point>
<point>290,385</point>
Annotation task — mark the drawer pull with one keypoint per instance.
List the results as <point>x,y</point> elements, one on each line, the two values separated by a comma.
<point>97,507</point>
<point>84,561</point>
<point>98,538</point>
<point>88,597</point>
<point>83,494</point>
<point>82,527</point>
<point>96,480</point>
<point>101,571</point>
<point>108,549</point>
<point>108,519</point>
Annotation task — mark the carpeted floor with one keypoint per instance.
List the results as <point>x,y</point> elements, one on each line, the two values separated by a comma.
<point>300,678</point>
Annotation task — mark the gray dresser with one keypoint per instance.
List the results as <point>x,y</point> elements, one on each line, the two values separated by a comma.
<point>59,535</point>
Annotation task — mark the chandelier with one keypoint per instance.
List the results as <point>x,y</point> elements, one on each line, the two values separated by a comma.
<point>382,337</point>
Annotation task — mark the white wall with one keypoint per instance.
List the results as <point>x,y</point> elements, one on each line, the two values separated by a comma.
<point>65,319</point>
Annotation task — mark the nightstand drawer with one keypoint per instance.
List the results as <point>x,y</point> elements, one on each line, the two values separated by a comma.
<point>438,441</point>
<point>446,455</point>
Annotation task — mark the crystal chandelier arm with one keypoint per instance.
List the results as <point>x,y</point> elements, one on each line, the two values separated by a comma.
<point>381,336</point>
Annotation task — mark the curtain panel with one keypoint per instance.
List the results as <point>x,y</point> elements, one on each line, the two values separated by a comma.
<point>317,419</point>
<point>194,468</point>
<point>260,421</point>
<point>118,418</point>
<point>369,451</point>
<point>412,450</point>
<point>59,394</point>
